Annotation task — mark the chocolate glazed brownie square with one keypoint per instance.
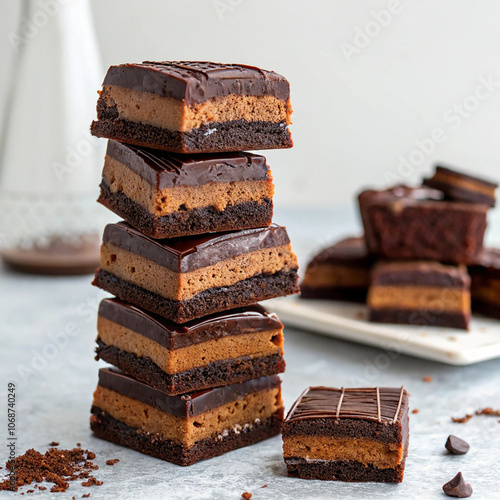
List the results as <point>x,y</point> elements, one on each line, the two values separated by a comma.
<point>348,434</point>
<point>188,428</point>
<point>166,195</point>
<point>187,278</point>
<point>194,107</point>
<point>224,348</point>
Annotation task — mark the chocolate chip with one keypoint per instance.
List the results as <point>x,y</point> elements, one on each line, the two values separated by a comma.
<point>456,446</point>
<point>457,487</point>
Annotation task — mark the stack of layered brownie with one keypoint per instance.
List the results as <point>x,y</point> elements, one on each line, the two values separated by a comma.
<point>195,357</point>
<point>421,259</point>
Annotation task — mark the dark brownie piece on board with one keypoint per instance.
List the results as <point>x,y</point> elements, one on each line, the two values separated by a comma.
<point>415,223</point>
<point>485,283</point>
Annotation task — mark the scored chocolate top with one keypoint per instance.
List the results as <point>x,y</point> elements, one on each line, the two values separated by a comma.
<point>185,405</point>
<point>165,170</point>
<point>173,336</point>
<point>377,404</point>
<point>347,251</point>
<point>419,273</point>
<point>196,82</point>
<point>194,252</point>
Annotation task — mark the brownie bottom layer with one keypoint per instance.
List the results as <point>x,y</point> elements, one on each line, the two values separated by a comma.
<point>215,374</point>
<point>237,135</point>
<point>344,294</point>
<point>188,222</point>
<point>244,293</point>
<point>106,427</point>
<point>420,317</point>
<point>342,470</point>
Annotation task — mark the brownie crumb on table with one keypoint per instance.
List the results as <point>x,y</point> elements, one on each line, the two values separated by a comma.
<point>415,410</point>
<point>246,495</point>
<point>488,411</point>
<point>54,443</point>
<point>462,420</point>
<point>91,481</point>
<point>54,466</point>
<point>427,378</point>
<point>112,461</point>
<point>86,495</point>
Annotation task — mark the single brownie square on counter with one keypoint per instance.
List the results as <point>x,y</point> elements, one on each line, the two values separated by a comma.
<point>221,349</point>
<point>348,434</point>
<point>166,195</point>
<point>415,223</point>
<point>485,283</point>
<point>194,107</point>
<point>186,278</point>
<point>339,272</point>
<point>188,428</point>
<point>422,293</point>
<point>459,186</point>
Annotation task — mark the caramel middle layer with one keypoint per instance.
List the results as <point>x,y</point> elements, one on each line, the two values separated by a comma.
<point>365,451</point>
<point>236,415</point>
<point>423,297</point>
<point>182,286</point>
<point>463,183</point>
<point>162,202</point>
<point>172,114</point>
<point>257,344</point>
<point>328,275</point>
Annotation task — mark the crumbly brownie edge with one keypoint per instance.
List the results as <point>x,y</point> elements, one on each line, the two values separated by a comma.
<point>420,318</point>
<point>490,309</point>
<point>327,293</point>
<point>249,291</point>
<point>237,135</point>
<point>106,427</point>
<point>215,374</point>
<point>190,222</point>
<point>342,470</point>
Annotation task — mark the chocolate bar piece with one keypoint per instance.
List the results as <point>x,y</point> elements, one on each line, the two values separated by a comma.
<point>166,195</point>
<point>414,223</point>
<point>348,434</point>
<point>339,272</point>
<point>419,293</point>
<point>225,348</point>
<point>194,107</point>
<point>459,186</point>
<point>485,283</point>
<point>188,428</point>
<point>186,278</point>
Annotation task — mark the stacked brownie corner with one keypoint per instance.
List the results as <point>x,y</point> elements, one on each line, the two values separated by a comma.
<point>195,358</point>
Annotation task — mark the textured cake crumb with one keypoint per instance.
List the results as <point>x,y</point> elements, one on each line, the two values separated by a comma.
<point>415,410</point>
<point>112,461</point>
<point>488,411</point>
<point>246,495</point>
<point>427,378</point>
<point>462,420</point>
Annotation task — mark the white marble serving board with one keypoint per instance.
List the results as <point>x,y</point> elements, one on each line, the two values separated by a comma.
<point>348,321</point>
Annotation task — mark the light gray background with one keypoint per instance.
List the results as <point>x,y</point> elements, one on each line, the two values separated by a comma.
<point>352,118</point>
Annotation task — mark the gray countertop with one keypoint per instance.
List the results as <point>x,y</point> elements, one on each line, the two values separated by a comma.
<point>47,330</point>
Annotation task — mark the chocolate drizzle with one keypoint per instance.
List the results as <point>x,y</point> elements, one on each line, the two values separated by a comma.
<point>167,170</point>
<point>172,336</point>
<point>197,82</point>
<point>378,404</point>
<point>193,252</point>
<point>186,405</point>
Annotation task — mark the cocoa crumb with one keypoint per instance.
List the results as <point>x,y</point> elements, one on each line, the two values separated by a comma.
<point>30,491</point>
<point>91,481</point>
<point>415,410</point>
<point>462,420</point>
<point>86,495</point>
<point>488,411</point>
<point>78,444</point>
<point>54,466</point>
<point>112,461</point>
<point>427,378</point>
<point>265,486</point>
<point>246,495</point>
<point>54,443</point>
